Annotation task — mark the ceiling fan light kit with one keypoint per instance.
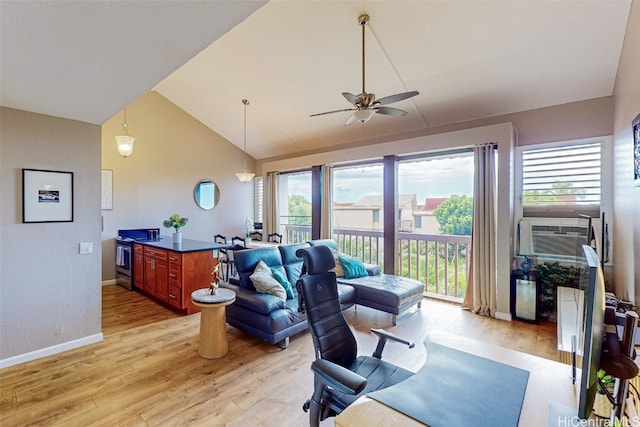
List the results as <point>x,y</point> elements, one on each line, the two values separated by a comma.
<point>365,103</point>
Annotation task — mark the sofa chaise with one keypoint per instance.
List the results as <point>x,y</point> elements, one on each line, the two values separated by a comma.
<point>386,292</point>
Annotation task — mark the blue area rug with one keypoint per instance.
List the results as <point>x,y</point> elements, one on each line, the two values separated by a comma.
<point>454,388</point>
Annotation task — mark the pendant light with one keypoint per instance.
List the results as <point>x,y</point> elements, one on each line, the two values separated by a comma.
<point>125,141</point>
<point>245,176</point>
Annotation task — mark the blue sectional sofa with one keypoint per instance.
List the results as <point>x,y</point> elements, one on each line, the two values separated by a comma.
<point>273,320</point>
<point>266,316</point>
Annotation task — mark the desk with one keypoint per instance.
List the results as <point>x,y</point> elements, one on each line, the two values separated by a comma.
<point>213,321</point>
<point>549,381</point>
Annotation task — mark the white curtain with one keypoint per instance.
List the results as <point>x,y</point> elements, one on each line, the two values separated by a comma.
<point>273,210</point>
<point>326,213</point>
<point>481,286</point>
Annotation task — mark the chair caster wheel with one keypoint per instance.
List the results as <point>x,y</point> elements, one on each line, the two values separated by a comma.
<point>305,406</point>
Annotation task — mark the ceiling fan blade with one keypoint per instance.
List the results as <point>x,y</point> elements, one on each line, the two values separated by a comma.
<point>331,112</point>
<point>390,111</point>
<point>351,98</point>
<point>395,98</point>
<point>351,119</point>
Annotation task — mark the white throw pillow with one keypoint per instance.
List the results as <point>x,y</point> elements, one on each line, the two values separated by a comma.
<point>265,283</point>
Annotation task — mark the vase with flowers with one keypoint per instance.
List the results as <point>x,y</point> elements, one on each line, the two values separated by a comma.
<point>177,222</point>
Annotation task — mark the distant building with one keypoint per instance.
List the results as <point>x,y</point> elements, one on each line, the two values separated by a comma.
<point>423,217</point>
<point>367,214</point>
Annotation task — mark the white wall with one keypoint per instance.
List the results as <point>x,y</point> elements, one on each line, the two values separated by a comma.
<point>172,152</point>
<point>50,295</point>
<point>626,197</point>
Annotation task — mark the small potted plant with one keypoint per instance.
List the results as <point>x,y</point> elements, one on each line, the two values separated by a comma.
<point>248,231</point>
<point>177,222</point>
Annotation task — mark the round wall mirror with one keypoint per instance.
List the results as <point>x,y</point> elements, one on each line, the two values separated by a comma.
<point>206,194</point>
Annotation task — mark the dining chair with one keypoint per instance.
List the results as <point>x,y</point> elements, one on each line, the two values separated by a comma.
<point>223,257</point>
<point>237,244</point>
<point>274,238</point>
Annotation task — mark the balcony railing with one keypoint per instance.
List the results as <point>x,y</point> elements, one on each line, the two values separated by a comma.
<point>438,261</point>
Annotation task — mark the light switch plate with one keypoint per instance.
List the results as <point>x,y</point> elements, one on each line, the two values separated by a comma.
<point>86,247</point>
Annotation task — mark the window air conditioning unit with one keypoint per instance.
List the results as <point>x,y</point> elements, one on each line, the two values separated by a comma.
<point>557,237</point>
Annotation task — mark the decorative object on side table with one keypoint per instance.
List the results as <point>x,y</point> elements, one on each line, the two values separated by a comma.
<point>215,279</point>
<point>177,222</point>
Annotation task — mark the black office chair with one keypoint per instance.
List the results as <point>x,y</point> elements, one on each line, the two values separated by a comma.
<point>340,375</point>
<point>274,238</point>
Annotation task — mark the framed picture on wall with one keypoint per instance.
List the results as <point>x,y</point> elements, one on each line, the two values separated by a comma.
<point>635,127</point>
<point>47,196</point>
<point>107,190</point>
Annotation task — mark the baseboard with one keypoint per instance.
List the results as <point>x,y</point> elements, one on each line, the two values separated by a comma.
<point>109,282</point>
<point>503,316</point>
<point>43,352</point>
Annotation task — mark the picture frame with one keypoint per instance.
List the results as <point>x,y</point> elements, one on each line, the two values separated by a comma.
<point>47,196</point>
<point>107,190</point>
<point>635,131</point>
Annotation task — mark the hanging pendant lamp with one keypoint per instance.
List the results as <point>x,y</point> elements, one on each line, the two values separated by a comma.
<point>245,176</point>
<point>125,141</point>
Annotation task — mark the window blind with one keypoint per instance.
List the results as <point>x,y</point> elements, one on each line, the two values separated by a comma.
<point>566,177</point>
<point>258,196</point>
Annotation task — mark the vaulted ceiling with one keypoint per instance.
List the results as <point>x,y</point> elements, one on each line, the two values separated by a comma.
<point>291,59</point>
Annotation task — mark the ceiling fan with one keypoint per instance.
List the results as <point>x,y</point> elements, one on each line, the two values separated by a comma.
<point>366,104</point>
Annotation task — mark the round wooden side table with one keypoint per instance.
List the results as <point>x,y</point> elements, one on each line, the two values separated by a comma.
<point>213,321</point>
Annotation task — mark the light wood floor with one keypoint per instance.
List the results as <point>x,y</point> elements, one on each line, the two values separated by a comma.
<point>147,371</point>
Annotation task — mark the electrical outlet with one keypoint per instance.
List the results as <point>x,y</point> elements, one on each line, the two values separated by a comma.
<point>86,247</point>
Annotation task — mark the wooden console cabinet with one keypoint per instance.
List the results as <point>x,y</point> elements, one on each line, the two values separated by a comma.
<point>171,275</point>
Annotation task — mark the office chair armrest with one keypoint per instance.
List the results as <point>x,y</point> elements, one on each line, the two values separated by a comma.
<point>338,377</point>
<point>383,337</point>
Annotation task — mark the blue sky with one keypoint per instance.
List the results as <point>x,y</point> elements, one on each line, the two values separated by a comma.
<point>436,177</point>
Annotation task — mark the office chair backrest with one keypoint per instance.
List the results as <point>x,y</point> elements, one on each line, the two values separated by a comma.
<point>332,337</point>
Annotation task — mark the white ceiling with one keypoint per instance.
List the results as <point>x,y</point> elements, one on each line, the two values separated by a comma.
<point>468,59</point>
<point>87,60</point>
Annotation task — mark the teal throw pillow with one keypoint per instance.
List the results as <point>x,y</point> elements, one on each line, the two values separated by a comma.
<point>352,267</point>
<point>282,279</point>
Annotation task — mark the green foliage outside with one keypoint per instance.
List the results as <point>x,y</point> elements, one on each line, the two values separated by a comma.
<point>556,193</point>
<point>420,264</point>
<point>299,210</point>
<point>365,248</point>
<point>455,215</point>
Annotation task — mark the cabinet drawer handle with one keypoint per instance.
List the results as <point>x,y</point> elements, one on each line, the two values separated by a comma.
<point>173,258</point>
<point>172,275</point>
<point>173,297</point>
